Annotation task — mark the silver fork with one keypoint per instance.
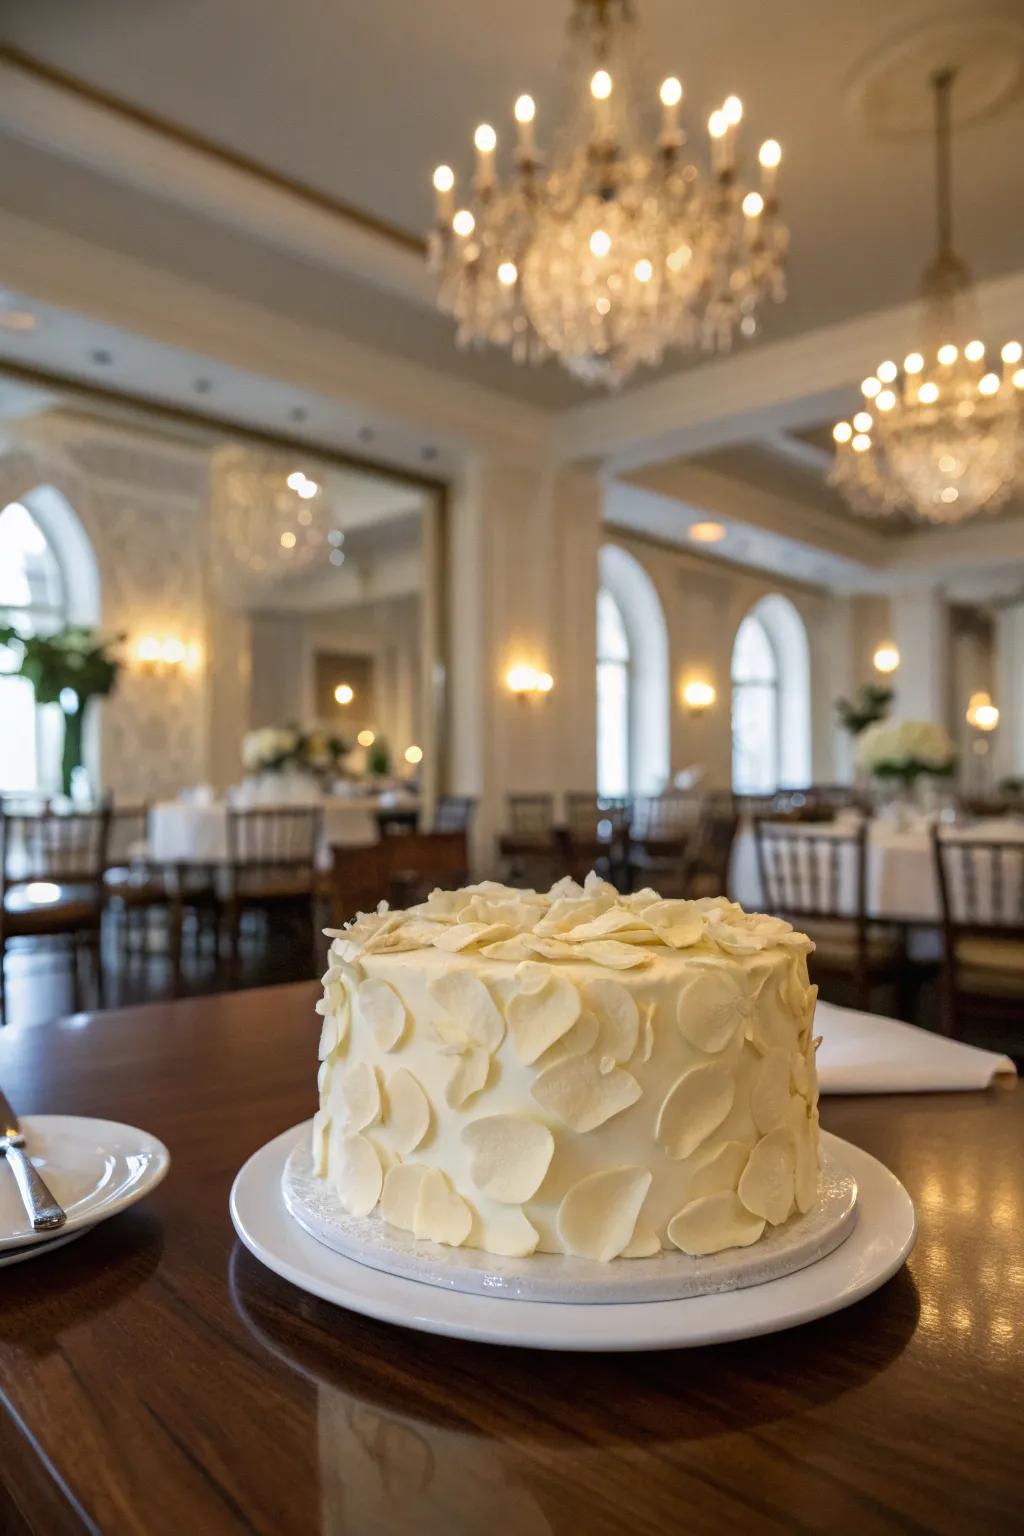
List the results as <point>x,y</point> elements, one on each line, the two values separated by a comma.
<point>46,1213</point>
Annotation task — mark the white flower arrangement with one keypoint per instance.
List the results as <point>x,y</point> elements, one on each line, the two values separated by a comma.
<point>905,749</point>
<point>270,749</point>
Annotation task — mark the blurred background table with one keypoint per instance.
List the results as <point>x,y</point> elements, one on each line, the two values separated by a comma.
<point>156,1378</point>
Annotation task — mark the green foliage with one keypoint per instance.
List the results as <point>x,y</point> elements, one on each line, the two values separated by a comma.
<point>72,658</point>
<point>378,759</point>
<point>869,704</point>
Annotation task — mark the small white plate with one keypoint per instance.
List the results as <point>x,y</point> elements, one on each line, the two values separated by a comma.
<point>94,1167</point>
<point>39,1250</point>
<point>875,1249</point>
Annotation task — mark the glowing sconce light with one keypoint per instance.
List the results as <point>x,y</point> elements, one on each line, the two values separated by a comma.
<point>698,696</point>
<point>344,693</point>
<point>982,713</point>
<point>366,738</point>
<point>528,683</point>
<point>886,657</point>
<point>156,653</point>
<point>413,755</point>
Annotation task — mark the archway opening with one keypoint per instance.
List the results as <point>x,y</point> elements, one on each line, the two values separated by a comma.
<point>771,700</point>
<point>632,679</point>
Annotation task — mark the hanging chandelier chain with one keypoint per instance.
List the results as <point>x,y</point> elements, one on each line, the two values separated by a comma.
<point>942,81</point>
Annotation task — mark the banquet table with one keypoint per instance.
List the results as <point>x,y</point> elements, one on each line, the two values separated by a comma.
<point>156,1379</point>
<point>900,874</point>
<point>181,832</point>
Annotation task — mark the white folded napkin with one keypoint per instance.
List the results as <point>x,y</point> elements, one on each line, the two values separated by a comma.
<point>864,1053</point>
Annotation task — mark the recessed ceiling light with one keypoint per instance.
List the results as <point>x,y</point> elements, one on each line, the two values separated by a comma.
<point>706,533</point>
<point>101,356</point>
<point>18,320</point>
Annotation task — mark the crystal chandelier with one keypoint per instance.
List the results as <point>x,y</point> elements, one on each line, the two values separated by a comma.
<point>613,249</point>
<point>268,519</point>
<point>940,438</point>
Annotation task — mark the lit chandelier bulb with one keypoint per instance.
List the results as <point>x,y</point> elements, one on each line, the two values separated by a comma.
<point>842,431</point>
<point>600,242</point>
<point>444,181</point>
<point>1011,353</point>
<point>463,223</point>
<point>928,394</point>
<point>1018,379</point>
<point>643,271</point>
<point>753,205</point>
<point>444,178</point>
<point>671,94</point>
<point>974,351</point>
<point>989,385</point>
<point>718,124</point>
<point>525,112</point>
<point>601,85</point>
<point>885,400</point>
<point>948,355</point>
<point>507,273</point>
<point>887,372</point>
<point>870,387</point>
<point>861,443</point>
<point>914,362</point>
<point>862,421</point>
<point>485,139</point>
<point>770,155</point>
<point>732,110</point>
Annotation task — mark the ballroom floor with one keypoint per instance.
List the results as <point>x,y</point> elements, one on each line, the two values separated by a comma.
<point>39,983</point>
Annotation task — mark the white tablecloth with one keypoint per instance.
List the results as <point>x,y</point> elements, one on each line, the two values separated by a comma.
<point>901,883</point>
<point>180,833</point>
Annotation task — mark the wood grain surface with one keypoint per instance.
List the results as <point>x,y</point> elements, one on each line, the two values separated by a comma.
<point>156,1378</point>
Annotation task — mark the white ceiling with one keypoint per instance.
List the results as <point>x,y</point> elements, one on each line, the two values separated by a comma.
<point>361,100</point>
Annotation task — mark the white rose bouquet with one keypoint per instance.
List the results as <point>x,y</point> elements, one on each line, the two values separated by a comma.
<point>269,750</point>
<point>905,749</point>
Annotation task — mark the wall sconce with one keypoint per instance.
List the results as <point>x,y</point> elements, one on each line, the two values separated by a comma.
<point>982,713</point>
<point>528,683</point>
<point>886,658</point>
<point>168,653</point>
<point>366,738</point>
<point>413,755</point>
<point>698,696</point>
<point>344,693</point>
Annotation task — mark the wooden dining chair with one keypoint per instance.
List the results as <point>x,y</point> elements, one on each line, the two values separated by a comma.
<point>528,847</point>
<point>271,869</point>
<point>981,893</point>
<point>51,886</point>
<point>594,835</point>
<point>134,886</point>
<point>708,856</point>
<point>454,813</point>
<point>659,830</point>
<point>817,880</point>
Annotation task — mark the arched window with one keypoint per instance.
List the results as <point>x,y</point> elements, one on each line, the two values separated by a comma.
<point>771,700</point>
<point>632,679</point>
<point>613,701</point>
<point>32,600</point>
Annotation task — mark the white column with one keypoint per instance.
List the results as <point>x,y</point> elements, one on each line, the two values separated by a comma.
<point>523,543</point>
<point>1009,692</point>
<point>921,631</point>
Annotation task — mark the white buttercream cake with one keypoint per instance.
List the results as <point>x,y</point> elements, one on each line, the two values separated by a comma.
<point>576,1072</point>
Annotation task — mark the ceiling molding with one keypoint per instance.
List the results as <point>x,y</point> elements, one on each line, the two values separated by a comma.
<point>762,390</point>
<point>136,300</point>
<point>67,117</point>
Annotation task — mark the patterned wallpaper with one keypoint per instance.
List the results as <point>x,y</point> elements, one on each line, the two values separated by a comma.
<point>142,504</point>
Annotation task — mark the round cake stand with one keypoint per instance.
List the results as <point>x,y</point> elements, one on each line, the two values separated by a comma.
<point>875,1249</point>
<point>668,1276</point>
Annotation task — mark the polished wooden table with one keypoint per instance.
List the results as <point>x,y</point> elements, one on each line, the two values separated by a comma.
<point>157,1379</point>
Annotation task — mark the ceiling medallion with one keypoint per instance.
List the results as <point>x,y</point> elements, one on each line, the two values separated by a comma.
<point>940,438</point>
<point>612,249</point>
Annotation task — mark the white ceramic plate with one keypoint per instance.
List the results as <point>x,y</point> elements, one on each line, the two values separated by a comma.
<point>94,1167</point>
<point>40,1250</point>
<point>874,1251</point>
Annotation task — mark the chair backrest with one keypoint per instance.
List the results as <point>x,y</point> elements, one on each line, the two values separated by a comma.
<point>981,883</point>
<point>808,873</point>
<point>397,822</point>
<point>531,815</point>
<point>281,837</point>
<point>425,860</point>
<point>61,848</point>
<point>595,818</point>
<point>359,878</point>
<point>127,841</point>
<point>454,813</point>
<point>667,818</point>
<point>709,848</point>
